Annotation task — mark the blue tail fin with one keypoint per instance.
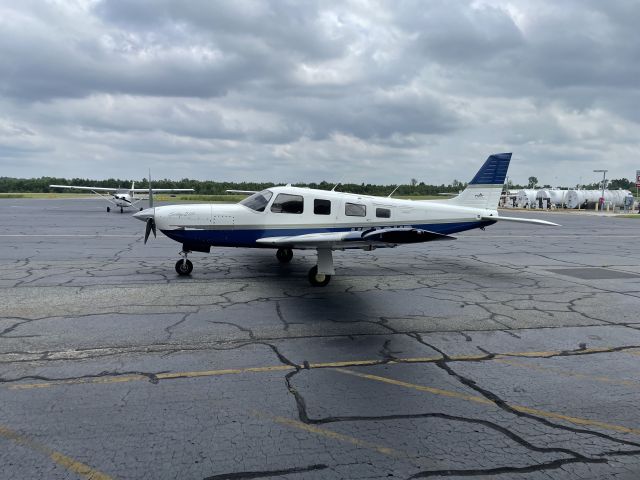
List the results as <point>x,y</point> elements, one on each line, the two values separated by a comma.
<point>485,188</point>
<point>494,170</point>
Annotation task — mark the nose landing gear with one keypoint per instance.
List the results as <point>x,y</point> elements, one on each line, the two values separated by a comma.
<point>184,266</point>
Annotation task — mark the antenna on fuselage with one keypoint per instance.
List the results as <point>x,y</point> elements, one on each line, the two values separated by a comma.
<point>336,185</point>
<point>394,191</point>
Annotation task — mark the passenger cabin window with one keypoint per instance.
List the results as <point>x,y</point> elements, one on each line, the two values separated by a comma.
<point>322,207</point>
<point>285,203</point>
<point>383,213</point>
<point>258,201</point>
<point>355,210</point>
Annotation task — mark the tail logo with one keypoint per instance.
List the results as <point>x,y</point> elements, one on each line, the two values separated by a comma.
<point>479,195</point>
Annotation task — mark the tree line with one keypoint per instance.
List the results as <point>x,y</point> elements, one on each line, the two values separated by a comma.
<point>210,187</point>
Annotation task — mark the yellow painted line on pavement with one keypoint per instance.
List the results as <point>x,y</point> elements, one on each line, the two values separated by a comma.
<point>485,401</point>
<point>324,432</point>
<point>108,379</point>
<point>69,463</point>
<point>569,373</point>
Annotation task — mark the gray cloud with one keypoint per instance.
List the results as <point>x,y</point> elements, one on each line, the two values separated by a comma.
<point>377,91</point>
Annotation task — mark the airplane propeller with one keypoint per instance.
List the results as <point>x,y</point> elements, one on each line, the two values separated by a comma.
<point>150,222</point>
<point>150,227</point>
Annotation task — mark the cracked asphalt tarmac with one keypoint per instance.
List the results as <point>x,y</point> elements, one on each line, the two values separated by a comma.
<point>493,356</point>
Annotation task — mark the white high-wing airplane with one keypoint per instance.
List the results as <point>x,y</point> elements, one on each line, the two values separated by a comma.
<point>290,218</point>
<point>122,197</point>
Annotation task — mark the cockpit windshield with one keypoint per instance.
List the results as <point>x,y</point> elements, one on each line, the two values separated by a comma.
<point>258,201</point>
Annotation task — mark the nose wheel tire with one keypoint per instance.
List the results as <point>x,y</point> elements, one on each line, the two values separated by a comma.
<point>318,279</point>
<point>184,267</point>
<point>284,255</point>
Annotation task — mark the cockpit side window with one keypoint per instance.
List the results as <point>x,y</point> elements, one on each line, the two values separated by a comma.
<point>286,203</point>
<point>258,201</point>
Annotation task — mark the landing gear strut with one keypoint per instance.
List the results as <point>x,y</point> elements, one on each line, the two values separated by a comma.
<point>184,266</point>
<point>121,210</point>
<point>320,275</point>
<point>284,255</point>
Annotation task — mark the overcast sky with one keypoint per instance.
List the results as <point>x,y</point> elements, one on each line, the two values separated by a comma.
<point>362,91</point>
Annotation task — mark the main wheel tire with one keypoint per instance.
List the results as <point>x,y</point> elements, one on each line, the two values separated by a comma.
<point>318,279</point>
<point>140,208</point>
<point>184,267</point>
<point>108,209</point>
<point>284,255</point>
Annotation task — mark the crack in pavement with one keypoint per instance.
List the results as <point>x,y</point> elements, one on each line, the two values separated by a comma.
<point>266,473</point>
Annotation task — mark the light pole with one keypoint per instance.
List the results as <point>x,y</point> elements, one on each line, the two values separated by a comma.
<point>604,182</point>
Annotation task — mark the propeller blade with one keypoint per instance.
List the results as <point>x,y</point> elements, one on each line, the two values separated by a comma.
<point>150,227</point>
<point>150,192</point>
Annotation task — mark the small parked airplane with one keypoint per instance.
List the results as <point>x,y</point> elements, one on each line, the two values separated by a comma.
<point>122,197</point>
<point>290,218</point>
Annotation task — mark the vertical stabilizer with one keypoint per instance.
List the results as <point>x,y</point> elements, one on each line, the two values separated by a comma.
<point>485,188</point>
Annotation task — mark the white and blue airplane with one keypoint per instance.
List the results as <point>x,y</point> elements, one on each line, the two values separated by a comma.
<point>287,218</point>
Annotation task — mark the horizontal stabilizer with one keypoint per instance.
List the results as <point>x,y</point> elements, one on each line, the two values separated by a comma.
<point>533,221</point>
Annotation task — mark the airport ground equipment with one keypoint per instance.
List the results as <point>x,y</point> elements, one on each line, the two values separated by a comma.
<point>526,198</point>
<point>554,196</point>
<point>590,198</point>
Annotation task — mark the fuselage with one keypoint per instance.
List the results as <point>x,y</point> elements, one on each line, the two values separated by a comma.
<point>297,211</point>
<point>123,198</point>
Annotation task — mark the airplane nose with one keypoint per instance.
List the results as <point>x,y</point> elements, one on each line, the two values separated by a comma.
<point>145,214</point>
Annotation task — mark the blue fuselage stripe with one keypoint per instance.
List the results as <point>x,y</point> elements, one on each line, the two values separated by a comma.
<point>247,238</point>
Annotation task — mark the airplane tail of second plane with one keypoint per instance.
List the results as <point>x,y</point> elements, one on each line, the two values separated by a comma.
<point>485,188</point>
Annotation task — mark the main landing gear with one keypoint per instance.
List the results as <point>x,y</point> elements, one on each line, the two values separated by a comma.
<point>108,209</point>
<point>320,275</point>
<point>121,210</point>
<point>184,266</point>
<point>284,255</point>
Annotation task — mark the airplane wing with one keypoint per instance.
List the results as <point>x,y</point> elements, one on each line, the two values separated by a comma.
<point>156,190</point>
<point>244,192</point>
<point>522,220</point>
<point>387,237</point>
<point>91,189</point>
